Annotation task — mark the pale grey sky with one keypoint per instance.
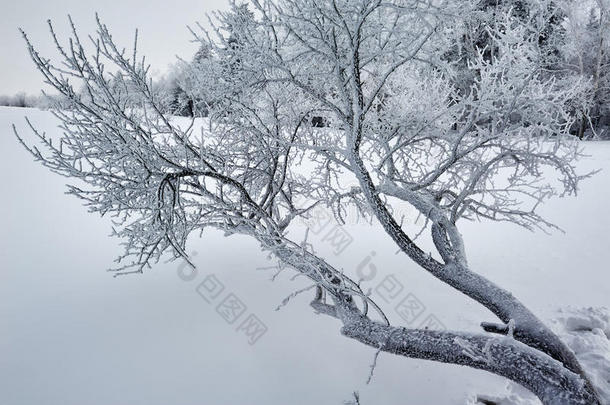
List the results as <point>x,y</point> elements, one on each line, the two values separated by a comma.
<point>162,26</point>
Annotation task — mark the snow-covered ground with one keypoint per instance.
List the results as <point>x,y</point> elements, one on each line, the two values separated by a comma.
<point>72,334</point>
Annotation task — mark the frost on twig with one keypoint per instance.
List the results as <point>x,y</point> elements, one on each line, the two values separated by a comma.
<point>286,300</point>
<point>373,366</point>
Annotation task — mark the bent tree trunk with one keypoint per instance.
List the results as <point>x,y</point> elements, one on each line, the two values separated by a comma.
<point>543,375</point>
<point>528,329</point>
<point>552,383</point>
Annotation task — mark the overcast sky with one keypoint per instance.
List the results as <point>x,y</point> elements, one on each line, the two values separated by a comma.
<point>162,27</point>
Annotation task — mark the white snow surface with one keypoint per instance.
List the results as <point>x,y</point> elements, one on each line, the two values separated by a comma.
<point>72,334</point>
<point>587,332</point>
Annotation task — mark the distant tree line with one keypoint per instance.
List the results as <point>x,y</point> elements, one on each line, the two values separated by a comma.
<point>20,99</point>
<point>574,44</point>
<point>574,47</point>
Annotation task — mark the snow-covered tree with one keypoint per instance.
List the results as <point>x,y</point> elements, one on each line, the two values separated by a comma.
<point>587,54</point>
<point>397,126</point>
<point>473,37</point>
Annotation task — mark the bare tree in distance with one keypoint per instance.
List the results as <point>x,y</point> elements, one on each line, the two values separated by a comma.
<point>395,126</point>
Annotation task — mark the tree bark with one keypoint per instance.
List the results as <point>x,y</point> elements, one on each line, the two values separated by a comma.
<point>528,328</point>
